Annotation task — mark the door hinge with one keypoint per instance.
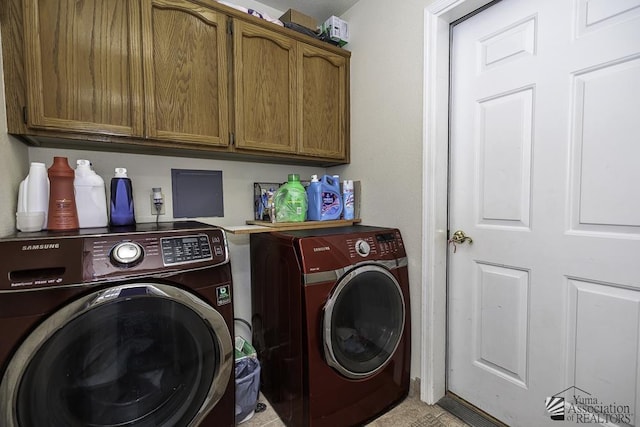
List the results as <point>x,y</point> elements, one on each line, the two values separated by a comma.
<point>25,115</point>
<point>232,138</point>
<point>230,27</point>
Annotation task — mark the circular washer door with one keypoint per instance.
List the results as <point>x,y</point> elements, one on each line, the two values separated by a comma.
<point>363,321</point>
<point>135,355</point>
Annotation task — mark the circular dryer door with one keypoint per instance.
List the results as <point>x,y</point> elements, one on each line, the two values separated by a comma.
<point>135,355</point>
<point>363,321</point>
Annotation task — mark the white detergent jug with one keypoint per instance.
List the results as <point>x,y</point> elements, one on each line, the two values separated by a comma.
<point>33,193</point>
<point>91,198</point>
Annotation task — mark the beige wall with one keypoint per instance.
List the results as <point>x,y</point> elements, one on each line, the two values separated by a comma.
<point>387,127</point>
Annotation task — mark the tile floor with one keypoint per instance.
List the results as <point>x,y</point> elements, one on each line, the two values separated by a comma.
<point>411,412</point>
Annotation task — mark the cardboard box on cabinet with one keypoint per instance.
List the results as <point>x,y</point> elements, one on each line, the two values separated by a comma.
<point>299,18</point>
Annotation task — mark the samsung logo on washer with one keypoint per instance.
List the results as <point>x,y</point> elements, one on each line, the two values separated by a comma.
<point>322,249</point>
<point>41,247</point>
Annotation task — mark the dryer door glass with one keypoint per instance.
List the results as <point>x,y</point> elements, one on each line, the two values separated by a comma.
<point>363,321</point>
<point>138,359</point>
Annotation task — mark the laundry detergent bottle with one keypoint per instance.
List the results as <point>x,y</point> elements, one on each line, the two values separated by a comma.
<point>33,193</point>
<point>63,213</point>
<point>314,199</point>
<point>91,198</point>
<point>331,199</point>
<point>122,212</point>
<point>290,201</point>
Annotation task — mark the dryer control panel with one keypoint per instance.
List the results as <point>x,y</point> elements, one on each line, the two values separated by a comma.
<point>335,251</point>
<point>379,245</point>
<point>390,243</point>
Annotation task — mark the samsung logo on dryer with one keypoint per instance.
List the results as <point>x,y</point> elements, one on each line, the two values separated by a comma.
<point>41,247</point>
<point>321,249</point>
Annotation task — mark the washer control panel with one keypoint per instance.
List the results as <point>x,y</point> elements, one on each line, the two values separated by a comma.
<point>145,253</point>
<point>180,250</point>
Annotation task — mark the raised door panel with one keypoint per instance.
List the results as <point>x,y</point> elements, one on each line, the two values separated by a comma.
<point>265,89</point>
<point>185,70</point>
<point>323,97</point>
<point>83,66</point>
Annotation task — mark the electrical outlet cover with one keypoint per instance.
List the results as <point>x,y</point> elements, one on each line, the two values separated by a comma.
<point>153,206</point>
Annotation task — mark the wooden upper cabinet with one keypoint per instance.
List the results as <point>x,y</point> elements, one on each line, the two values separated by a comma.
<point>290,97</point>
<point>323,99</point>
<point>185,72</point>
<point>194,75</point>
<point>264,67</point>
<point>83,68</point>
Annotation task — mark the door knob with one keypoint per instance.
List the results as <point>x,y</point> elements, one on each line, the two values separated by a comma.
<point>459,238</point>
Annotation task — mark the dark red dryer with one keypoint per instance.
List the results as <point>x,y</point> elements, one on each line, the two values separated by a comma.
<point>331,323</point>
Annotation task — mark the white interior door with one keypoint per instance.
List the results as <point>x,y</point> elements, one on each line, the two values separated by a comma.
<point>544,305</point>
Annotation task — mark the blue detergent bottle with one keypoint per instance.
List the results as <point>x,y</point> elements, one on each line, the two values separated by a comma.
<point>329,206</point>
<point>314,199</point>
<point>121,199</point>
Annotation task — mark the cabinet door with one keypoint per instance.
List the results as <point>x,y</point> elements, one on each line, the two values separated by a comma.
<point>185,70</point>
<point>265,89</point>
<point>324,99</point>
<point>83,66</point>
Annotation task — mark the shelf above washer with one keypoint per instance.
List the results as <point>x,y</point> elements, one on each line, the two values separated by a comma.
<point>254,226</point>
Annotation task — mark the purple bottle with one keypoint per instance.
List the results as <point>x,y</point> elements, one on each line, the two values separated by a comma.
<point>121,199</point>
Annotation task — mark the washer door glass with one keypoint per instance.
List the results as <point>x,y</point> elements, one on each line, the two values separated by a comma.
<point>138,359</point>
<point>363,321</point>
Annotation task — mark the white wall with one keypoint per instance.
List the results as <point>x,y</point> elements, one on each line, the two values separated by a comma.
<point>387,127</point>
<point>251,4</point>
<point>386,147</point>
<point>386,41</point>
<point>147,172</point>
<point>13,166</point>
<point>153,171</point>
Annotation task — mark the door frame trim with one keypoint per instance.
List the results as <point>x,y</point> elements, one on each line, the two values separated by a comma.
<point>437,18</point>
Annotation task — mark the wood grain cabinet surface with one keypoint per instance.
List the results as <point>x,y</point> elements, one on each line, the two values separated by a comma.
<point>189,77</point>
<point>323,96</point>
<point>265,82</point>
<point>291,97</point>
<point>185,72</point>
<point>83,66</point>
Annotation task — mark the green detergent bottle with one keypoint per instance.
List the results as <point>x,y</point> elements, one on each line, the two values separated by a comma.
<point>290,201</point>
